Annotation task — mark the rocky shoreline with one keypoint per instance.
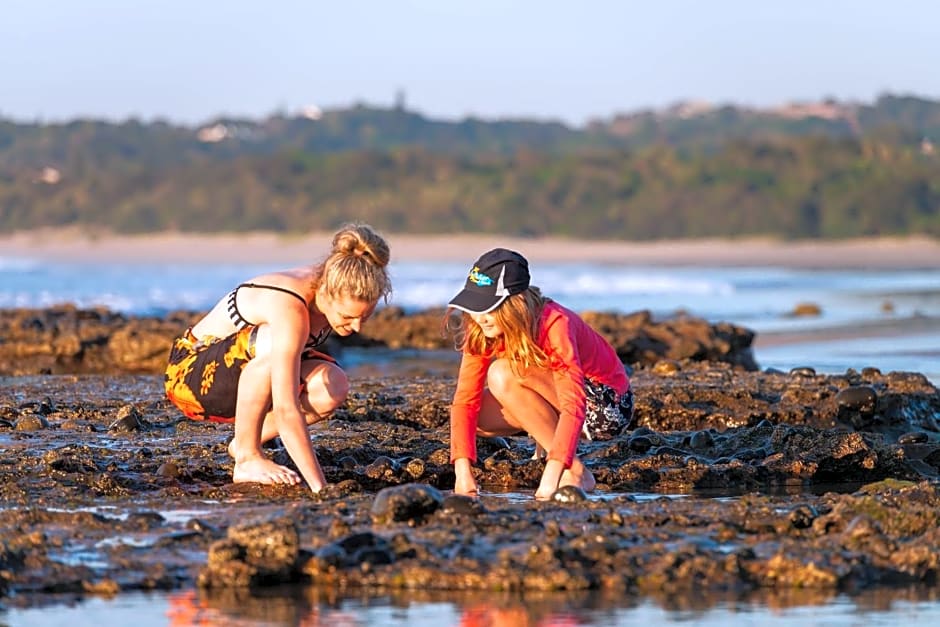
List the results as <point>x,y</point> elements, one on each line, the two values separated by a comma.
<point>735,479</point>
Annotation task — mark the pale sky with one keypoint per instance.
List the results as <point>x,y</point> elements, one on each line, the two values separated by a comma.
<point>189,61</point>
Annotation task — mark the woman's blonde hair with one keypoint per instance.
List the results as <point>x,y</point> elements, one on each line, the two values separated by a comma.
<point>518,317</point>
<point>356,266</point>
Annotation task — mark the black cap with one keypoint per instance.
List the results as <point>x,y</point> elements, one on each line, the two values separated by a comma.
<point>495,276</point>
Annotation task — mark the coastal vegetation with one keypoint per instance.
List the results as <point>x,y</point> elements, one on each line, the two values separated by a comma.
<point>826,170</point>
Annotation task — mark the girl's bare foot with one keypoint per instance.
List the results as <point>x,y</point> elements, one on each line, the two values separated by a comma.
<point>584,479</point>
<point>263,470</point>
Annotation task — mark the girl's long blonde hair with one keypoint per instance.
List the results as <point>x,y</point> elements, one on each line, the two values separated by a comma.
<point>518,316</point>
<point>356,266</point>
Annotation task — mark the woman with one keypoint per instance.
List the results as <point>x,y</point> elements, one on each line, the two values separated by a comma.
<point>531,365</point>
<point>252,359</point>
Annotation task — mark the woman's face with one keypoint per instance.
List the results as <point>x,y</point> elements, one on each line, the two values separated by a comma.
<point>488,324</point>
<point>344,314</point>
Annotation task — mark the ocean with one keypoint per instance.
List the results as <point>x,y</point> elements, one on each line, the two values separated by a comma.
<point>887,319</point>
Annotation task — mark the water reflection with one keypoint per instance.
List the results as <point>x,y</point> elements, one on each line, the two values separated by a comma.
<point>312,606</point>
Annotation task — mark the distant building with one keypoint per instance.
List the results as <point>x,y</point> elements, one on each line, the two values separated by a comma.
<point>824,110</point>
<point>691,109</point>
<point>312,112</point>
<point>926,147</point>
<point>49,176</point>
<point>213,134</point>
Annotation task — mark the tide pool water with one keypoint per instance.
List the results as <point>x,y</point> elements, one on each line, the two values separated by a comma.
<point>273,608</point>
<point>889,319</point>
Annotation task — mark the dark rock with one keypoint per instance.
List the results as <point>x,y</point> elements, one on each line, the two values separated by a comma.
<point>569,494</point>
<point>913,437</point>
<point>31,422</point>
<point>461,505</point>
<point>128,419</point>
<point>411,503</point>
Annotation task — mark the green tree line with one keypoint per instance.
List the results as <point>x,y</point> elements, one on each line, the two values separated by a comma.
<point>726,174</point>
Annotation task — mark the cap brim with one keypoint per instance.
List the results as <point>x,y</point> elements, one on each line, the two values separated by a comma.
<point>476,302</point>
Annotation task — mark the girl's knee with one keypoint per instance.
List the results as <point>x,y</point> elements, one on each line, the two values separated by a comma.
<point>500,378</point>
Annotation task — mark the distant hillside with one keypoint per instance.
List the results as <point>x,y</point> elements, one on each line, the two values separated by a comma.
<point>812,170</point>
<point>895,118</point>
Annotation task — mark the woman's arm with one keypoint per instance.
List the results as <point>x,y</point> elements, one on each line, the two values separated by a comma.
<point>289,325</point>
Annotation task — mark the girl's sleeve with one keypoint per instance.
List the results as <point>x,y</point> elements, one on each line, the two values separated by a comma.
<point>568,375</point>
<point>465,410</point>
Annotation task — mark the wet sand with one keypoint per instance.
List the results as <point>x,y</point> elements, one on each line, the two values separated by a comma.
<point>885,253</point>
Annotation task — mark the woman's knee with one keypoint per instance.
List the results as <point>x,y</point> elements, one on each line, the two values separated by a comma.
<point>326,388</point>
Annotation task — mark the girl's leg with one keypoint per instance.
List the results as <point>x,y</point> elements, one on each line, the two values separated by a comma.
<point>252,406</point>
<point>511,405</point>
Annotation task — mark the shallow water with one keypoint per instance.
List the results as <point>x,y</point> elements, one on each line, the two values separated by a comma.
<point>311,607</point>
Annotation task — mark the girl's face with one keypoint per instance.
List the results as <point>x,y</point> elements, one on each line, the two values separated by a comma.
<point>488,324</point>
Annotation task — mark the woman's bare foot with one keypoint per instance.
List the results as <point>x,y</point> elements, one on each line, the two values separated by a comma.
<point>263,470</point>
<point>584,479</point>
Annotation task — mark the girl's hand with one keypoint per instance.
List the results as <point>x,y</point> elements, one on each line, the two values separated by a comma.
<point>550,478</point>
<point>464,483</point>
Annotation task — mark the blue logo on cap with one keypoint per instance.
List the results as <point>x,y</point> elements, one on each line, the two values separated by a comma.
<point>479,278</point>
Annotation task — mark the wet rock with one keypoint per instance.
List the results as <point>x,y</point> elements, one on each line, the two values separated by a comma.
<point>805,310</point>
<point>803,371</point>
<point>65,491</point>
<point>128,419</point>
<point>383,467</point>
<point>347,462</point>
<point>913,437</point>
<point>46,407</point>
<point>701,440</point>
<point>857,405</point>
<point>70,340</point>
<point>31,422</point>
<point>360,551</point>
<point>254,554</point>
<point>201,526</point>
<point>169,469</point>
<point>640,443</point>
<point>145,520</point>
<point>461,505</point>
<point>411,503</point>
<point>666,368</point>
<point>415,468</point>
<point>569,494</point>
<point>802,517</point>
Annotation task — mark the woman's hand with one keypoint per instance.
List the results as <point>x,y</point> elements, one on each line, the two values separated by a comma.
<point>464,483</point>
<point>550,478</point>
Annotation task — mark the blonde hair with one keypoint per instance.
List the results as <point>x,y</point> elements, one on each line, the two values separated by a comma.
<point>356,266</point>
<point>518,317</point>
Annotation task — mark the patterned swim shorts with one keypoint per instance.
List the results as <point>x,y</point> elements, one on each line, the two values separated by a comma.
<point>606,413</point>
<point>202,376</point>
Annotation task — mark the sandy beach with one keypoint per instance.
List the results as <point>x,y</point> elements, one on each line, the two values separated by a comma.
<point>71,245</point>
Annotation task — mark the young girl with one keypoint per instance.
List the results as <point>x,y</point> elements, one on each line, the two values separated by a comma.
<point>531,365</point>
<point>252,359</point>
